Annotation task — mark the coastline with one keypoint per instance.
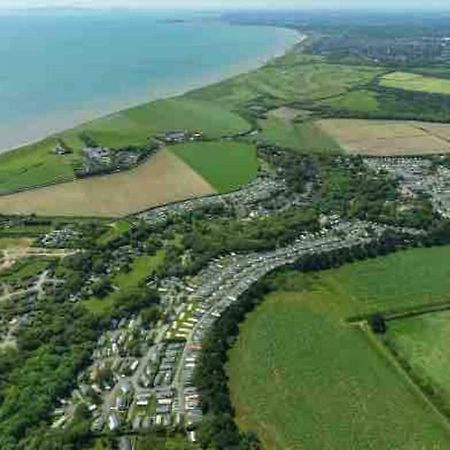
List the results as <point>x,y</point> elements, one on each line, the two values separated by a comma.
<point>26,135</point>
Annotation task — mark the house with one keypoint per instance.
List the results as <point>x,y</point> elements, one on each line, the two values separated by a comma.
<point>176,136</point>
<point>60,149</point>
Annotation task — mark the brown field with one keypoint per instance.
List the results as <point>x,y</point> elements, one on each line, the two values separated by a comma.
<point>386,138</point>
<point>162,179</point>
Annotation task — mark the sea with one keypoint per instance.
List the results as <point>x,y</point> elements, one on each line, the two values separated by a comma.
<point>62,68</point>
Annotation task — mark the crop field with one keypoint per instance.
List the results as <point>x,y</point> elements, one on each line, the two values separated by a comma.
<point>301,377</point>
<point>225,165</point>
<point>38,165</point>
<point>423,342</point>
<point>305,137</point>
<point>162,179</point>
<point>416,82</point>
<point>385,138</point>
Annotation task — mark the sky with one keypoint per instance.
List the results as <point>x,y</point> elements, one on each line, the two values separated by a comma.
<point>231,4</point>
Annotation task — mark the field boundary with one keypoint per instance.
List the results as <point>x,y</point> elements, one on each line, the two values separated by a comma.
<point>411,380</point>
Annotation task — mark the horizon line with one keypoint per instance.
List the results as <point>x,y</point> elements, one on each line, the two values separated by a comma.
<point>221,9</point>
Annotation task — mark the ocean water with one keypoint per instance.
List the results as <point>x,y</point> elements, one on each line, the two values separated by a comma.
<point>58,69</point>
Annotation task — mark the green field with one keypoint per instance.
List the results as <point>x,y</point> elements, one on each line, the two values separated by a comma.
<point>143,267</point>
<point>34,165</point>
<point>416,82</point>
<point>37,164</point>
<point>115,230</point>
<point>301,377</point>
<point>304,137</point>
<point>292,78</point>
<point>137,125</point>
<point>362,101</point>
<point>225,165</point>
<point>423,342</point>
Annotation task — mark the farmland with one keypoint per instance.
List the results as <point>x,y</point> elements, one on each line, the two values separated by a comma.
<point>162,179</point>
<point>384,138</point>
<point>416,82</point>
<point>423,342</point>
<point>34,165</point>
<point>135,126</point>
<point>224,165</point>
<point>38,165</point>
<point>303,378</point>
<point>305,137</point>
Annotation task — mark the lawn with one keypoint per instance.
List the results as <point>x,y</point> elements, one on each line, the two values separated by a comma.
<point>225,165</point>
<point>423,342</point>
<point>301,377</point>
<point>305,137</point>
<point>416,82</point>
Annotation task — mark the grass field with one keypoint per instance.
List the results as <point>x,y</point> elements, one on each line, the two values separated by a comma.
<point>355,101</point>
<point>225,165</point>
<point>416,82</point>
<point>162,179</point>
<point>38,165</point>
<point>34,165</point>
<point>302,378</point>
<point>423,342</point>
<point>115,230</point>
<point>293,78</point>
<point>383,137</point>
<point>8,243</point>
<point>305,137</point>
<point>137,125</point>
<point>142,268</point>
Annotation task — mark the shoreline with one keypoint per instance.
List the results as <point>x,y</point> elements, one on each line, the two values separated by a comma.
<point>41,130</point>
